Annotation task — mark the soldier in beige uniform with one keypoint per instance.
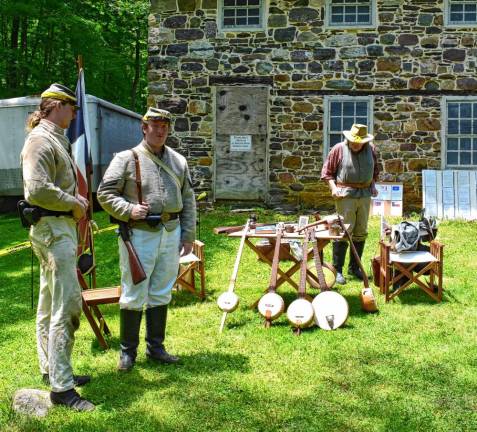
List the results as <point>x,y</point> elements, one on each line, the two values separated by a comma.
<point>49,180</point>
<point>168,196</point>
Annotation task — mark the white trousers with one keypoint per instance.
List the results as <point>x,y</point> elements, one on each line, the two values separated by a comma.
<point>54,241</point>
<point>159,255</point>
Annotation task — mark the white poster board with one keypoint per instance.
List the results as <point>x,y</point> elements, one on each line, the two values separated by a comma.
<point>450,194</point>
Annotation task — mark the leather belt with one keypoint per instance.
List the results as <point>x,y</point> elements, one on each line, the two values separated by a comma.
<point>154,220</point>
<point>354,185</point>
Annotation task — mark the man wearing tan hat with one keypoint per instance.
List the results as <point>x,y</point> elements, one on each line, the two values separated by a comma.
<point>54,206</point>
<point>150,188</point>
<point>351,171</point>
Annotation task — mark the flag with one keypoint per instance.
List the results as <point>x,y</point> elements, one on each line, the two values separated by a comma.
<point>78,134</point>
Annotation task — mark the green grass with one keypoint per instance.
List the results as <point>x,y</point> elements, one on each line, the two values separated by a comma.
<point>411,367</point>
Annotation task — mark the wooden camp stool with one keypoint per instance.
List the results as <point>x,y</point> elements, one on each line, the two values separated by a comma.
<point>92,298</point>
<point>394,266</point>
<point>191,265</point>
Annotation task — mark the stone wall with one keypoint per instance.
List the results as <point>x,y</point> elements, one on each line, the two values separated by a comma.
<point>407,63</point>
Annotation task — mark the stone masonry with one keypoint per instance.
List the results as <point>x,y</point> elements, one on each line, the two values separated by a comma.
<point>407,62</point>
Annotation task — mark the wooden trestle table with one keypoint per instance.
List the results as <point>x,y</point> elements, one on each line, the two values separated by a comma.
<point>323,237</point>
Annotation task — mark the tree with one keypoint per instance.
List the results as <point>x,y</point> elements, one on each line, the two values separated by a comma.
<point>40,40</point>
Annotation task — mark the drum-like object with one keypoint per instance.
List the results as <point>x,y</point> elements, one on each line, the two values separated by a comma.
<point>300,313</point>
<point>331,310</point>
<point>271,306</point>
<point>328,271</point>
<point>228,301</point>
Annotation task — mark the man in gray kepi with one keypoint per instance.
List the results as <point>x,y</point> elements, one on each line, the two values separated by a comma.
<point>150,188</point>
<point>54,206</point>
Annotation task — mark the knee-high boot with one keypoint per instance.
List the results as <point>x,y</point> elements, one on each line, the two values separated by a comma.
<point>156,318</point>
<point>339,255</point>
<point>130,323</point>
<point>354,268</point>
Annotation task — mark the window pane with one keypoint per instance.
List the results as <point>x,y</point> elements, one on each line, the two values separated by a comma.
<point>457,8</point>
<point>465,158</point>
<point>348,108</point>
<point>465,127</point>
<point>229,2</point>
<point>453,127</point>
<point>241,21</point>
<point>452,158</point>
<point>241,2</point>
<point>457,17</point>
<point>253,21</point>
<point>350,18</point>
<point>229,21</point>
<point>253,12</point>
<point>453,110</point>
<point>335,124</point>
<point>335,139</point>
<point>466,110</point>
<point>361,120</point>
<point>241,12</point>
<point>335,108</point>
<point>254,2</point>
<point>362,108</point>
<point>465,144</point>
<point>347,123</point>
<point>229,12</point>
<point>453,144</point>
<point>475,144</point>
<point>474,158</point>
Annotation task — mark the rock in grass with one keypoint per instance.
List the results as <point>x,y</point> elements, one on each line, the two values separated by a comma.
<point>32,402</point>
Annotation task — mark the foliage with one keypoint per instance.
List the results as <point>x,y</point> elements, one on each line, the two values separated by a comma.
<point>411,367</point>
<point>40,41</point>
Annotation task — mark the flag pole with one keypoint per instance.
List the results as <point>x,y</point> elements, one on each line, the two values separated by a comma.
<point>89,173</point>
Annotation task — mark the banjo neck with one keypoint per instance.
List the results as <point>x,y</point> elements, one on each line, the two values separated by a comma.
<point>276,258</point>
<point>233,278</point>
<point>318,264</point>
<point>303,268</point>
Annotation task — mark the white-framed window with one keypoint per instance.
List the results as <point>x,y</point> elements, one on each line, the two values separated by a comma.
<point>241,14</point>
<point>340,112</point>
<point>460,13</point>
<point>459,132</point>
<point>350,13</point>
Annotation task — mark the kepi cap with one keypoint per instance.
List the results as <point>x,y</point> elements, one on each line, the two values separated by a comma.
<point>60,92</point>
<point>358,134</point>
<point>157,114</point>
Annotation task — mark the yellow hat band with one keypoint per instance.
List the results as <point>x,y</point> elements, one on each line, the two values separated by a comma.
<point>357,139</point>
<point>56,95</point>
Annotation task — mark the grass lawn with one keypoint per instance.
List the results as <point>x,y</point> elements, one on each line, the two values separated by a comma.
<point>411,367</point>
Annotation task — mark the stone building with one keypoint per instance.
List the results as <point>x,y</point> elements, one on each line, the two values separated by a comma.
<point>262,88</point>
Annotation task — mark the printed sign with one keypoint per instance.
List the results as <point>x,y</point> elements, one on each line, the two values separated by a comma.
<point>241,143</point>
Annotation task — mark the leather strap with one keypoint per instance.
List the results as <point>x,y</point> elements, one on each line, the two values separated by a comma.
<point>354,185</point>
<point>161,164</point>
<point>138,176</point>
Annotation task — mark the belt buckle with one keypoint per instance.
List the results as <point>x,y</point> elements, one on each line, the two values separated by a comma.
<point>165,217</point>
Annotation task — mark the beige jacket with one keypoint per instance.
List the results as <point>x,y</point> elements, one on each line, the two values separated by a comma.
<point>117,192</point>
<point>49,173</point>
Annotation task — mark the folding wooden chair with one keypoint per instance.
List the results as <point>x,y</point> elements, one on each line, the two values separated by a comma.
<point>91,299</point>
<point>190,266</point>
<point>396,266</point>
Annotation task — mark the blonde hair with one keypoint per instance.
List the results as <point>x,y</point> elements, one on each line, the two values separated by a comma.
<point>46,106</point>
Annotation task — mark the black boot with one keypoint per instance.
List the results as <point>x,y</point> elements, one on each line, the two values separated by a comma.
<point>354,268</point>
<point>130,323</point>
<point>156,318</point>
<point>71,399</point>
<point>339,255</point>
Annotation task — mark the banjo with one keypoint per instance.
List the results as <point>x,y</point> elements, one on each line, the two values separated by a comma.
<point>331,308</point>
<point>271,305</point>
<point>300,311</point>
<point>229,301</point>
<point>368,301</point>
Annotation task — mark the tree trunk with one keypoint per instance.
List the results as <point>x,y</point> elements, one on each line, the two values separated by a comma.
<point>137,66</point>
<point>12,63</point>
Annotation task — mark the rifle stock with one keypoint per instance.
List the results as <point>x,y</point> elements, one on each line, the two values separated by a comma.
<point>137,271</point>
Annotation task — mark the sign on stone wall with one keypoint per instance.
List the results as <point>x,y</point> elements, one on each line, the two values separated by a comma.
<point>242,143</point>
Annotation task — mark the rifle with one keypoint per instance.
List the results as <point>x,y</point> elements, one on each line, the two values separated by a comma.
<point>137,271</point>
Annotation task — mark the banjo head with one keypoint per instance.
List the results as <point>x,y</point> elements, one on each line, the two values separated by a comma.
<point>328,271</point>
<point>271,303</point>
<point>228,301</point>
<point>300,313</point>
<point>331,310</point>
